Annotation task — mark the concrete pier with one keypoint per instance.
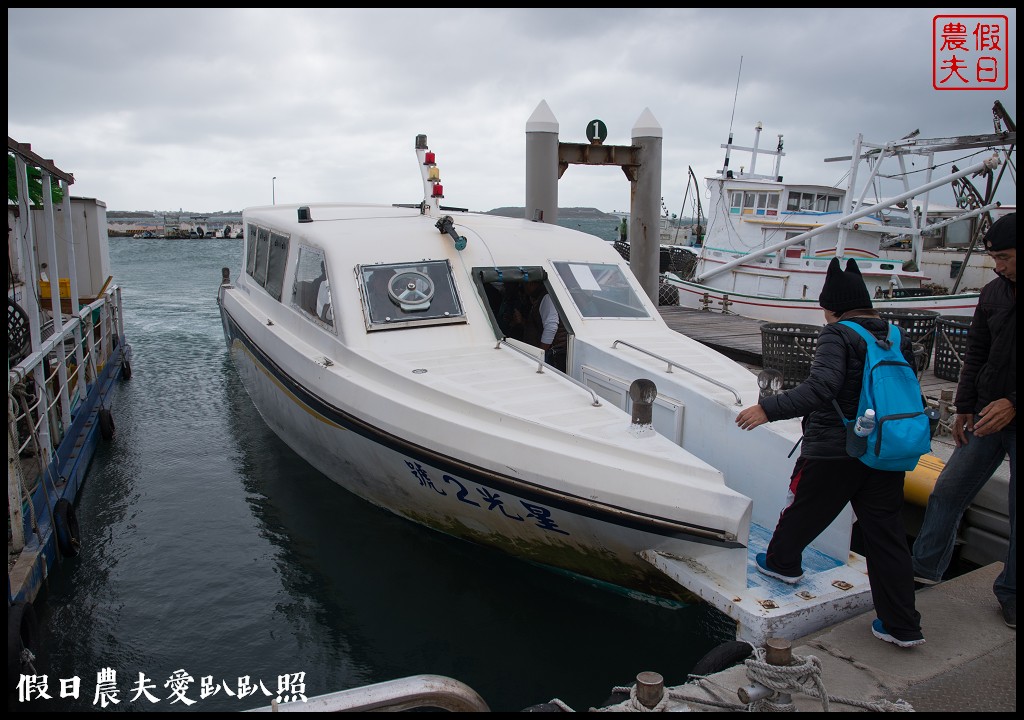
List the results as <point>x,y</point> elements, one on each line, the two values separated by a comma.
<point>968,664</point>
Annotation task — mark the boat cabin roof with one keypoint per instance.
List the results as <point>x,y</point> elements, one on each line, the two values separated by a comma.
<point>357,270</point>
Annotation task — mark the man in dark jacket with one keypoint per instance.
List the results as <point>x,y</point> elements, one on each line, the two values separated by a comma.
<point>985,427</point>
<point>825,478</point>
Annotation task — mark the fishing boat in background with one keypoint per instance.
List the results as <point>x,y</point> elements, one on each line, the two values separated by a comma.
<point>768,242</point>
<point>65,350</point>
<point>686,228</point>
<point>368,338</point>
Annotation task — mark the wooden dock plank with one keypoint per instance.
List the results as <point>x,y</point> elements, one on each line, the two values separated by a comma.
<point>736,337</point>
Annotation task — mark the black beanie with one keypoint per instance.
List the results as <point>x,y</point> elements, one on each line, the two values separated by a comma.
<point>844,291</point>
<point>1003,234</point>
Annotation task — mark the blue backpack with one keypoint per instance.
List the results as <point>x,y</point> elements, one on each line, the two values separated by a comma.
<point>902,433</point>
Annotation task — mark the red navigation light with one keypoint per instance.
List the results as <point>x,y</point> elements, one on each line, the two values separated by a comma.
<point>428,158</point>
<point>438,190</point>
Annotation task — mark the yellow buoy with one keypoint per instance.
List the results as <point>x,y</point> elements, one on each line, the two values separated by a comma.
<point>918,483</point>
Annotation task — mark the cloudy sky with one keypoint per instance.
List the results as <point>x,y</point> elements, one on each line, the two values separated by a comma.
<point>196,109</point>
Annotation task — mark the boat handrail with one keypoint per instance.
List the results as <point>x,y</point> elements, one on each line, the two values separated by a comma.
<point>673,363</point>
<point>49,408</point>
<point>417,691</point>
<point>540,369</point>
<point>20,371</point>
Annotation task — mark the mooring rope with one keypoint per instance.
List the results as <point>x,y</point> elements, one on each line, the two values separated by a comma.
<point>802,675</point>
<point>44,472</point>
<point>632,704</point>
<point>12,438</point>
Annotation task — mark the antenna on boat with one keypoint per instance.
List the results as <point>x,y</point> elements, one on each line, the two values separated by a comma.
<point>728,147</point>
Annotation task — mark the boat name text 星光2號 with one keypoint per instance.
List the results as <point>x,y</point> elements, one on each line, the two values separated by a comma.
<point>291,687</point>
<point>492,500</point>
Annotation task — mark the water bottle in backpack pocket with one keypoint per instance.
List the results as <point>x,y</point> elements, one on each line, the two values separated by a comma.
<point>901,432</point>
<point>857,433</point>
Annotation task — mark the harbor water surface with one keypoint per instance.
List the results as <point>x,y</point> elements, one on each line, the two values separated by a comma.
<point>211,551</point>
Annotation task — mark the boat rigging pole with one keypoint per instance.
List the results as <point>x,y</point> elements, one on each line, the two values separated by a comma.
<point>989,164</point>
<point>698,230</point>
<point>725,168</point>
<point>971,199</point>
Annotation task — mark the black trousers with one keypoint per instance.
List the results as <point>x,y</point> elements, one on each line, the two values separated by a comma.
<point>555,357</point>
<point>819,491</point>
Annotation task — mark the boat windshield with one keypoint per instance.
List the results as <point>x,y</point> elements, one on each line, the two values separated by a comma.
<point>409,294</point>
<point>600,290</point>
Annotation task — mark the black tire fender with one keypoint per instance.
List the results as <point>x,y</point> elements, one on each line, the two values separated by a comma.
<point>106,420</point>
<point>65,520</point>
<point>722,657</point>
<point>22,634</point>
<point>126,370</point>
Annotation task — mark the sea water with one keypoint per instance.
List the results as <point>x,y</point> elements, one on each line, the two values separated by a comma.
<point>216,562</point>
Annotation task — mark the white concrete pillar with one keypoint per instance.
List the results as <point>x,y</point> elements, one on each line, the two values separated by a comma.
<point>645,205</point>
<point>542,165</point>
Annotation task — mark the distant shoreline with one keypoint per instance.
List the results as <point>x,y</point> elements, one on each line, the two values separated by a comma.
<point>567,212</point>
<point>124,223</point>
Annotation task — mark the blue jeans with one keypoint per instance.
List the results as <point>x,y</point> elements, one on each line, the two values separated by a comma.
<point>967,471</point>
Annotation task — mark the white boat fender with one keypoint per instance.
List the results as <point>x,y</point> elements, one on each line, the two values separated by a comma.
<point>22,642</point>
<point>106,420</point>
<point>65,520</point>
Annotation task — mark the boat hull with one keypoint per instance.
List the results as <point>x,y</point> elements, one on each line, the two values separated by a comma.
<point>465,500</point>
<point>27,575</point>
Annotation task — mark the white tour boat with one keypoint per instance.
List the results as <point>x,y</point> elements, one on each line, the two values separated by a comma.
<point>768,243</point>
<point>367,337</point>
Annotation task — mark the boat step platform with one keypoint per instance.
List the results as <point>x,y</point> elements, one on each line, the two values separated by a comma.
<point>829,592</point>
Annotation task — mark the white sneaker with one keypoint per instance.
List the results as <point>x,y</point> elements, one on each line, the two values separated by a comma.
<point>879,631</point>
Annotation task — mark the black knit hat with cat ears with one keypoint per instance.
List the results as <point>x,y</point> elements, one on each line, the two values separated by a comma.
<point>844,290</point>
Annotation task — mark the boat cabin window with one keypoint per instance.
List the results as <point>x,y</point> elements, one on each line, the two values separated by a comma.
<point>752,202</point>
<point>798,250</point>
<point>250,250</point>
<point>259,272</point>
<point>266,258</point>
<point>600,290</point>
<point>276,263</point>
<point>311,292</point>
<point>412,294</point>
<point>818,202</point>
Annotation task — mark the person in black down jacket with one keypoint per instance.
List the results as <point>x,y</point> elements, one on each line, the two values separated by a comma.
<point>985,427</point>
<point>825,478</point>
